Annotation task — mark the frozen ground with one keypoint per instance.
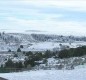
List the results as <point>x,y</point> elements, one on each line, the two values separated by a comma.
<point>77,74</point>
<point>41,46</point>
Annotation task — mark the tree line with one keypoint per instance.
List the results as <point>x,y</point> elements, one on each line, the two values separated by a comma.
<point>72,52</point>
<point>32,59</point>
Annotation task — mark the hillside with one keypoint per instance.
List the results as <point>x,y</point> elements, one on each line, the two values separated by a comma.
<point>38,42</point>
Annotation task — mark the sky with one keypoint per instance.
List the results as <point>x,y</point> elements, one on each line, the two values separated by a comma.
<point>65,17</point>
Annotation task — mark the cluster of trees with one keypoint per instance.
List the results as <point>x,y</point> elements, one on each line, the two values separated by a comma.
<point>8,38</point>
<point>72,52</point>
<point>18,50</point>
<point>33,57</point>
<point>31,60</point>
<point>10,66</point>
<point>67,53</point>
<point>43,37</point>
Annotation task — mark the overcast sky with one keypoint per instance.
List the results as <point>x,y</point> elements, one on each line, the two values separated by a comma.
<point>67,17</point>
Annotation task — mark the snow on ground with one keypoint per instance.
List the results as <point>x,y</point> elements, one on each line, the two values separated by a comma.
<point>40,46</point>
<point>77,74</point>
<point>80,66</point>
<point>43,46</point>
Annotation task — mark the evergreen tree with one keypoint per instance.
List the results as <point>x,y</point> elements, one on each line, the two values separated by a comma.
<point>9,64</point>
<point>9,50</point>
<point>18,50</point>
<point>21,46</point>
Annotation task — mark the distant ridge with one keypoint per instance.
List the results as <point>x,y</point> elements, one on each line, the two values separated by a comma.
<point>34,31</point>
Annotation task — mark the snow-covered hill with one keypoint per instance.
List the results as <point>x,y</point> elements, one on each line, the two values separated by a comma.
<point>77,74</point>
<point>38,42</point>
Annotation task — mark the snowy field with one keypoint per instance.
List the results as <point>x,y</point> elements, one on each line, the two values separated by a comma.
<point>77,74</point>
<point>41,46</point>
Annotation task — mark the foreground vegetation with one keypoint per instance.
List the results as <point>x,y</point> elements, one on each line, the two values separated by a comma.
<point>73,52</point>
<point>33,59</point>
